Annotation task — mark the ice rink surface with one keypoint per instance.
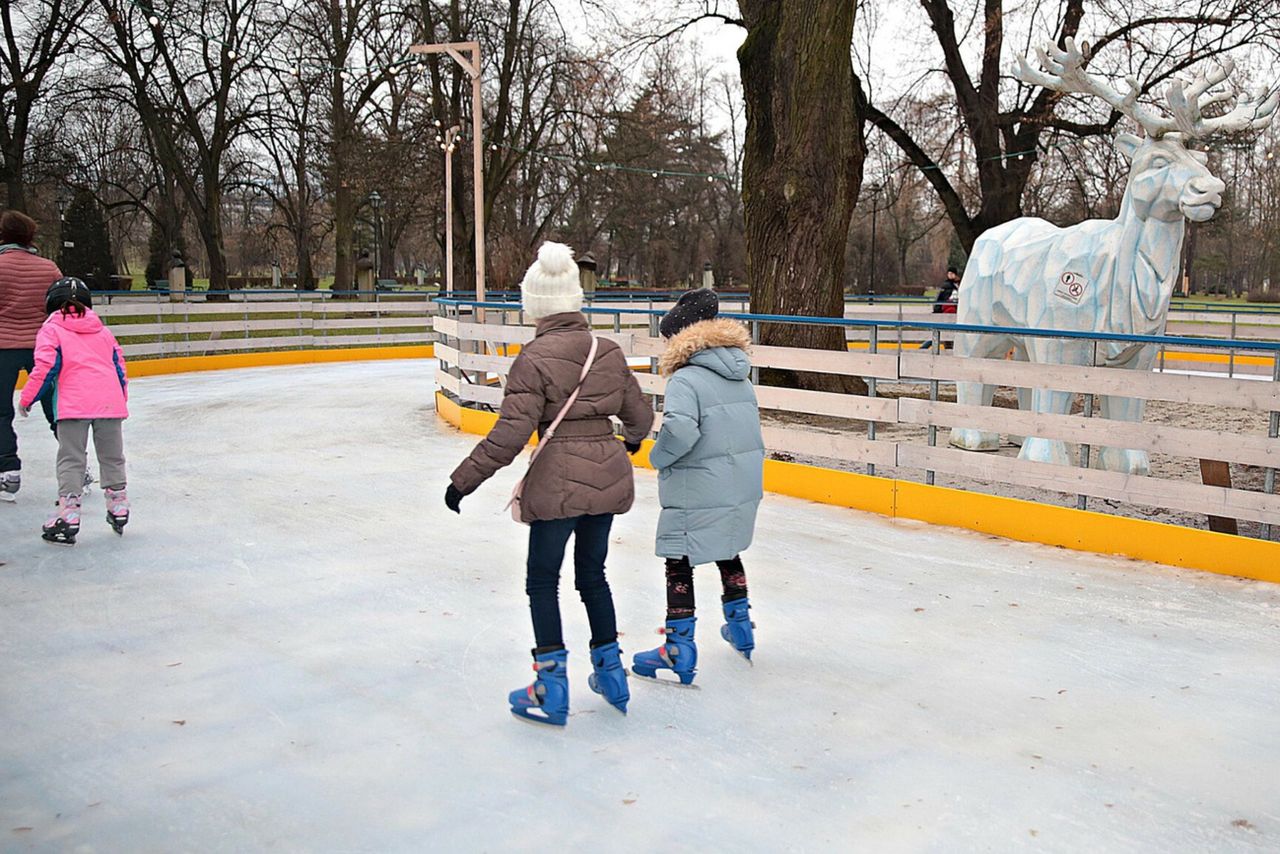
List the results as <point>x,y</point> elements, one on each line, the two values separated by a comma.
<point>296,647</point>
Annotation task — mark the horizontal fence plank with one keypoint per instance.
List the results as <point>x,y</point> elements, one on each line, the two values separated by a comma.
<point>1149,491</point>
<point>1098,432</point>
<point>1179,388</point>
<point>827,403</point>
<point>469,331</point>
<point>151,348</point>
<point>500,365</point>
<point>372,322</point>
<point>369,340</point>
<point>222,345</point>
<point>643,345</point>
<point>464,390</point>
<point>204,327</point>
<point>836,446</point>
<point>881,366</point>
<point>652,383</point>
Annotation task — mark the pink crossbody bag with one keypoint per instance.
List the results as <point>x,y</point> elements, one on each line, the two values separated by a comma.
<point>514,504</point>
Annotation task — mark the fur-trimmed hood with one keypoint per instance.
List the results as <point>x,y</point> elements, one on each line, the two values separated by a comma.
<point>720,345</point>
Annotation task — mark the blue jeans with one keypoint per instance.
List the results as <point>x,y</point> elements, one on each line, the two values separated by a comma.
<point>547,541</point>
<point>12,361</point>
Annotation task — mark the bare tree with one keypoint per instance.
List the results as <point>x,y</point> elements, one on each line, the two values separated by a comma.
<point>38,35</point>
<point>802,167</point>
<point>186,72</point>
<point>1006,120</point>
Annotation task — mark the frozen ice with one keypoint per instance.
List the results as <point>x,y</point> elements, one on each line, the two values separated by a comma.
<point>296,647</point>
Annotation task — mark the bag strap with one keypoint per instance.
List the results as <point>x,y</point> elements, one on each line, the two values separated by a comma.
<point>573,397</point>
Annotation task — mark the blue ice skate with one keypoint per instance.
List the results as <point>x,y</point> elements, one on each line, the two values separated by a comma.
<point>610,678</point>
<point>738,629</point>
<point>546,701</point>
<point>679,654</point>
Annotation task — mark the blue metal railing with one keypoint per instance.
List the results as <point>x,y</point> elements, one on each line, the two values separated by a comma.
<point>1272,347</point>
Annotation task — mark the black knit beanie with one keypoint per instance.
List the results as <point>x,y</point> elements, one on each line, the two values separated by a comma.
<point>695,306</point>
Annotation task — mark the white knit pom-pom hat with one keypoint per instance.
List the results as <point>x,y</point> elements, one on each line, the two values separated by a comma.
<point>551,285</point>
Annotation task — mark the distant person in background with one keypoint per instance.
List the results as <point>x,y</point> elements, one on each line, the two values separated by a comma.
<point>948,299</point>
<point>948,295</point>
<point>24,278</point>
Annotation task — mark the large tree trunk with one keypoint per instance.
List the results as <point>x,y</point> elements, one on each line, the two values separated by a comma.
<point>210,228</point>
<point>802,168</point>
<point>17,199</point>
<point>344,227</point>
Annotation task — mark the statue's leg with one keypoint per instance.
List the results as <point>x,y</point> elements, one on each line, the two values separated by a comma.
<point>1024,394</point>
<point>1127,460</point>
<point>1049,351</point>
<point>976,346</point>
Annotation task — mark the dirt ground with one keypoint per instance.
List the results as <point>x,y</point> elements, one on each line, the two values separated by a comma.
<point>1163,466</point>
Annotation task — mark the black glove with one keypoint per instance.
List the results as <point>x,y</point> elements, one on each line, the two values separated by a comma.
<point>632,447</point>
<point>453,499</point>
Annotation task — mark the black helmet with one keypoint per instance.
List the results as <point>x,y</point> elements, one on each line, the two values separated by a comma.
<point>68,289</point>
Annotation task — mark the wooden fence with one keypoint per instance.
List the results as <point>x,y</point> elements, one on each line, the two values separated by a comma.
<point>475,357</point>
<point>150,328</point>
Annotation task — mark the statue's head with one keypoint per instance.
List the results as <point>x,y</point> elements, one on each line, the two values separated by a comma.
<point>1167,180</point>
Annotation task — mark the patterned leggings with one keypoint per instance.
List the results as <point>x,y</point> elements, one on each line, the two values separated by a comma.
<point>733,578</point>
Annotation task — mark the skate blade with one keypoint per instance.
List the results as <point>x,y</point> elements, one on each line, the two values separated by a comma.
<point>594,684</point>
<point>8,498</point>
<point>659,680</point>
<point>53,541</point>
<point>523,715</point>
<point>745,657</point>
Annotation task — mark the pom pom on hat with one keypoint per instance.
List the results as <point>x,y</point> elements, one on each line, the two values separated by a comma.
<point>551,285</point>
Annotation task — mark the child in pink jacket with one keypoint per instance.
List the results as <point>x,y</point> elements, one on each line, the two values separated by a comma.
<point>78,361</point>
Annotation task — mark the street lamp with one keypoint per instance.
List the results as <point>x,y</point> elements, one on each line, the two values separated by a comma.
<point>375,200</point>
<point>447,143</point>
<point>875,197</point>
<point>467,55</point>
<point>62,201</point>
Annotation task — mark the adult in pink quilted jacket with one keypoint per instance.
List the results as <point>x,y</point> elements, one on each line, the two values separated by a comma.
<point>78,361</point>
<point>24,277</point>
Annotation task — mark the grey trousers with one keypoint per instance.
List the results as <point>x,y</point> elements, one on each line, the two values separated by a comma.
<point>73,446</point>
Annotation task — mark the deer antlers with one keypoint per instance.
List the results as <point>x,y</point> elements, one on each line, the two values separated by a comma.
<point>1064,71</point>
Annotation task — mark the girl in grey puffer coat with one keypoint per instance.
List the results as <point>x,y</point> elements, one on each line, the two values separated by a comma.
<point>710,459</point>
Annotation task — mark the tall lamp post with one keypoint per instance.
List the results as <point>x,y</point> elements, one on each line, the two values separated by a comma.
<point>467,55</point>
<point>875,208</point>
<point>447,143</point>
<point>375,201</point>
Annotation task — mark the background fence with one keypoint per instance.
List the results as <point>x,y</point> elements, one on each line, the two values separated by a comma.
<point>895,428</point>
<point>150,326</point>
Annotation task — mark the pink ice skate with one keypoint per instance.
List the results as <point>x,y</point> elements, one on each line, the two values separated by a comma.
<point>117,509</point>
<point>61,529</point>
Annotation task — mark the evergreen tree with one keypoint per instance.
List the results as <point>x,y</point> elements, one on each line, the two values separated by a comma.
<point>86,247</point>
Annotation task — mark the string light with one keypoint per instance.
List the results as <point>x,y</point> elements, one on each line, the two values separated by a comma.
<point>153,21</point>
<point>710,177</point>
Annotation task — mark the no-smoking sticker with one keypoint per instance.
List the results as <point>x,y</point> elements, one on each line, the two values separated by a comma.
<point>1071,287</point>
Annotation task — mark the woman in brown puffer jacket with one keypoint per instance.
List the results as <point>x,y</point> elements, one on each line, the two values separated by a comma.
<point>580,480</point>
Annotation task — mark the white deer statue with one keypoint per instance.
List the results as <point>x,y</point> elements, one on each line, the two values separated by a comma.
<point>1111,276</point>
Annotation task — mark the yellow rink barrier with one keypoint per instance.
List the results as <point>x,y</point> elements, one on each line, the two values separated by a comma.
<point>1011,518</point>
<point>229,361</point>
